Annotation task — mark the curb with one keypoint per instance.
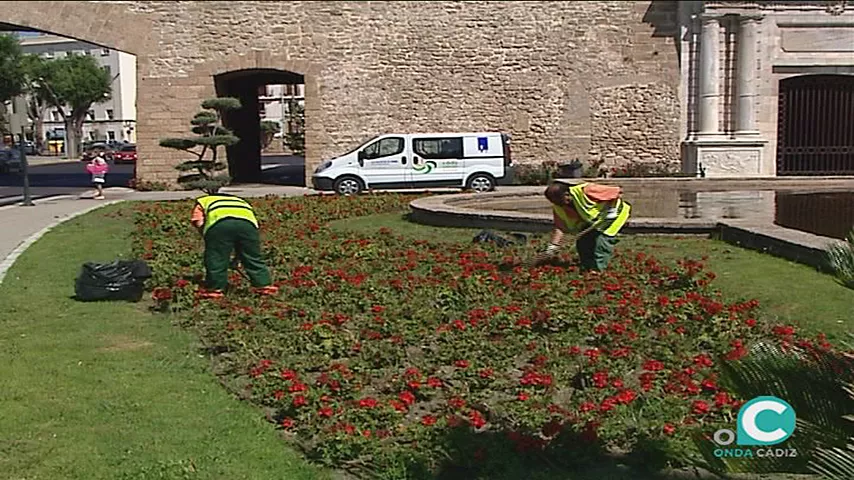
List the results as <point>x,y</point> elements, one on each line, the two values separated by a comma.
<point>10,259</point>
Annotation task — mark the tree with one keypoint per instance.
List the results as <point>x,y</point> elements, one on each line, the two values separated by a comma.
<point>268,130</point>
<point>76,82</point>
<point>11,71</point>
<point>200,173</point>
<point>295,137</point>
<point>38,95</point>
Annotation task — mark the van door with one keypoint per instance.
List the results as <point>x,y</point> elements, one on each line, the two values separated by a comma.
<point>384,163</point>
<point>437,161</point>
<point>486,153</point>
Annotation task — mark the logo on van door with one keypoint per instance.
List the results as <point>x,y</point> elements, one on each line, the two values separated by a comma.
<point>426,168</point>
<point>482,144</point>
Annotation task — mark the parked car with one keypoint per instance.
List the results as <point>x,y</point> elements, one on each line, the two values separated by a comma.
<point>475,161</point>
<point>91,149</point>
<point>10,160</point>
<point>125,154</point>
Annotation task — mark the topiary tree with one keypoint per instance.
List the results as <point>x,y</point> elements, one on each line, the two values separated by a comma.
<point>295,137</point>
<point>201,173</point>
<point>268,130</point>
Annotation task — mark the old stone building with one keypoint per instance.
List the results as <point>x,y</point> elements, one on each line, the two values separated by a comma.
<point>689,82</point>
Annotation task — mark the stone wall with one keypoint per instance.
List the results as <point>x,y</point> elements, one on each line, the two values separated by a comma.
<point>560,77</point>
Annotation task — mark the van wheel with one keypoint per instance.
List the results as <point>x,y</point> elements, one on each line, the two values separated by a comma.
<point>348,186</point>
<point>480,183</point>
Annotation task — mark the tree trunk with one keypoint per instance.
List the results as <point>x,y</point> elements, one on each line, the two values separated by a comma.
<point>72,139</point>
<point>35,111</point>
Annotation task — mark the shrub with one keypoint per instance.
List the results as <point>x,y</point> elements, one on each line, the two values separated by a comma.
<point>381,353</point>
<point>648,169</point>
<point>148,186</point>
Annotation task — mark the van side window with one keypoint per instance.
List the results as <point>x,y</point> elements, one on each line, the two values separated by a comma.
<point>438,148</point>
<point>384,148</point>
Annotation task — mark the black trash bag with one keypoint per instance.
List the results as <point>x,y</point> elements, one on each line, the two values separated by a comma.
<point>119,280</point>
<point>488,236</point>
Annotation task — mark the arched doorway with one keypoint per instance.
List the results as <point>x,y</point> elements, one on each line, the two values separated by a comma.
<point>244,158</point>
<point>815,125</point>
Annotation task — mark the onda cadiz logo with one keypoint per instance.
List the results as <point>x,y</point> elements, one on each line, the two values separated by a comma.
<point>762,422</point>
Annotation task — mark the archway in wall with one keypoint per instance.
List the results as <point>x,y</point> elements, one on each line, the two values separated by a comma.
<point>815,125</point>
<point>265,95</point>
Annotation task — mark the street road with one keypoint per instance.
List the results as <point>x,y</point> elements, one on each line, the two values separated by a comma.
<point>71,178</point>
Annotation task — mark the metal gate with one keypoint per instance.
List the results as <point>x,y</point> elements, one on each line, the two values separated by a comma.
<point>815,126</point>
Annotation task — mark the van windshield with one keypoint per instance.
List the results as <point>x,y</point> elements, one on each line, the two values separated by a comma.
<point>365,142</point>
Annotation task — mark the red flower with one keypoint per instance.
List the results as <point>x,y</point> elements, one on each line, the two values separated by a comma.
<point>653,365</point>
<point>428,420</point>
<point>398,405</point>
<point>325,412</point>
<point>476,419</point>
<point>456,403</point>
<point>181,283</point>
<point>600,379</point>
<point>407,398</point>
<point>722,399</point>
<point>462,364</point>
<point>368,402</point>
<point>607,405</point>
<point>523,396</point>
<point>298,387</point>
<point>592,354</point>
<point>414,384</point>
<point>485,373</point>
<point>454,421</point>
<point>377,309</point>
<point>626,396</point>
<point>700,407</point>
<point>587,407</point>
<point>288,422</point>
<point>289,374</point>
<point>668,429</point>
<point>299,401</point>
<point>434,382</point>
<point>161,293</point>
<point>709,384</point>
<point>278,394</point>
<point>703,360</point>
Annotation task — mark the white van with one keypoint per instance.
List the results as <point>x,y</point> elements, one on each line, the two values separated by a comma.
<point>475,161</point>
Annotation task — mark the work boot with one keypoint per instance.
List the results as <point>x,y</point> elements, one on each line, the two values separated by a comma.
<point>268,290</point>
<point>210,294</point>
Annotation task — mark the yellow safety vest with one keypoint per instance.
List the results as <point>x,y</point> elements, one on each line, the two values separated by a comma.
<point>218,207</point>
<point>589,212</point>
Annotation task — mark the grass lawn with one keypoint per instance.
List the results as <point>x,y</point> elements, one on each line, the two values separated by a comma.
<point>110,391</point>
<point>788,292</point>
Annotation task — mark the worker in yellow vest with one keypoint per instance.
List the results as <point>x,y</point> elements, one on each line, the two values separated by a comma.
<point>228,224</point>
<point>597,211</point>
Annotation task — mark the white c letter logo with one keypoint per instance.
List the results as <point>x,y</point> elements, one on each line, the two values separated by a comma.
<point>748,421</point>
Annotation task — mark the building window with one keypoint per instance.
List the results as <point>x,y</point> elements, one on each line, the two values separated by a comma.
<point>111,135</point>
<point>90,115</point>
<point>110,114</point>
<point>55,116</point>
<point>438,148</point>
<point>105,52</point>
<point>92,136</point>
<point>262,109</point>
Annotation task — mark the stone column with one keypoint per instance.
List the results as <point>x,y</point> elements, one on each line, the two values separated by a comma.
<point>709,72</point>
<point>746,44</point>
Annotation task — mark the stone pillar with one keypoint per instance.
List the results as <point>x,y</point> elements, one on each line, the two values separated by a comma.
<point>709,72</point>
<point>746,44</point>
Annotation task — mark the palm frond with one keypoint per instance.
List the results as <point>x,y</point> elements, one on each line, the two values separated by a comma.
<point>841,259</point>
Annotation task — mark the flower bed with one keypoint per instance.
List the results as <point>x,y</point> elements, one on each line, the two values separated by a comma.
<point>382,352</point>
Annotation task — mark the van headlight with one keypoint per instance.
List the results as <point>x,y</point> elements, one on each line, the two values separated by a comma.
<point>323,166</point>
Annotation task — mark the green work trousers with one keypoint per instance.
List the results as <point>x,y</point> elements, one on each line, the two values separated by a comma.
<point>241,236</point>
<point>595,250</point>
